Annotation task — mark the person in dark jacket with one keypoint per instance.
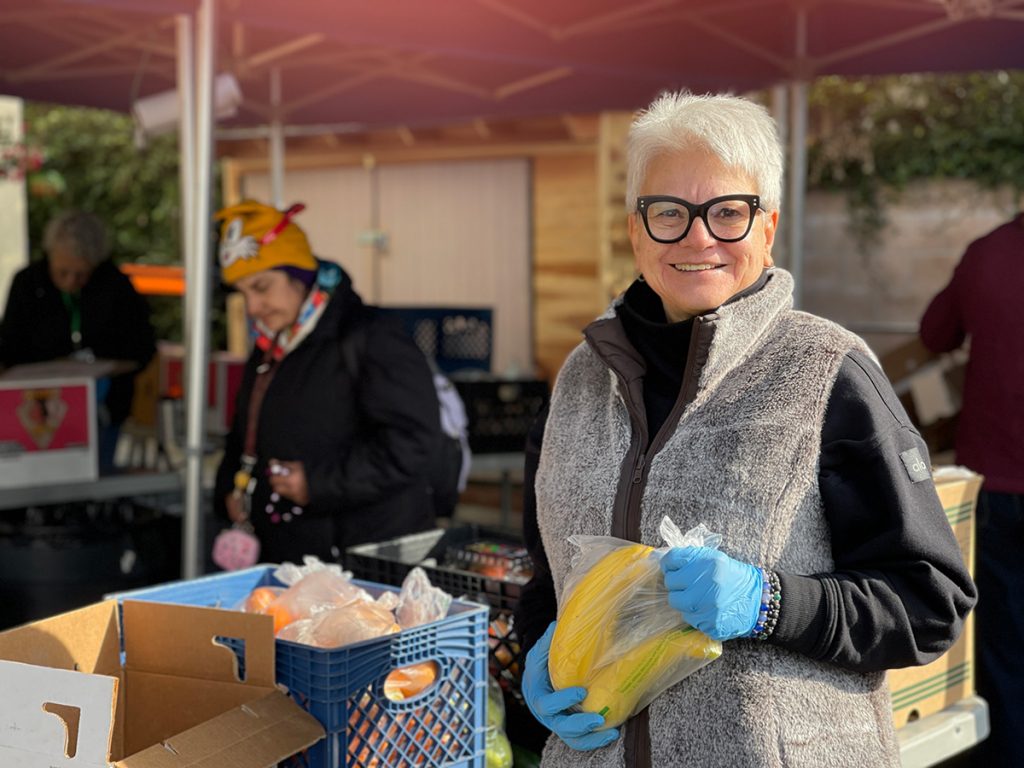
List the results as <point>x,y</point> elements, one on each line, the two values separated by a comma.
<point>701,395</point>
<point>981,302</point>
<point>337,417</point>
<point>77,303</point>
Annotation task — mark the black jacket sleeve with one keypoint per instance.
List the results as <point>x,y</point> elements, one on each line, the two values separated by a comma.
<point>900,591</point>
<point>537,605</point>
<point>20,317</point>
<point>126,335</point>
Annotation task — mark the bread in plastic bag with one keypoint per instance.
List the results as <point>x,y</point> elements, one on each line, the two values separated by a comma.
<point>313,588</point>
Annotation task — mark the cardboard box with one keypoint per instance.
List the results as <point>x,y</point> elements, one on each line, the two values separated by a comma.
<point>930,388</point>
<point>47,427</point>
<point>224,380</point>
<point>177,700</point>
<point>444,726</point>
<point>920,691</point>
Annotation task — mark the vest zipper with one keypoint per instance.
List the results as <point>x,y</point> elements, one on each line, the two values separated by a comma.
<point>638,471</point>
<point>636,730</point>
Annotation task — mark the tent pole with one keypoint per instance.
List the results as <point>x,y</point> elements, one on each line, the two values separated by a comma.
<point>197,341</point>
<point>276,141</point>
<point>186,147</point>
<point>779,107</point>
<point>798,157</point>
<point>797,184</point>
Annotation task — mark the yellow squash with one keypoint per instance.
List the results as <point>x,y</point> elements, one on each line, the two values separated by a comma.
<point>586,625</point>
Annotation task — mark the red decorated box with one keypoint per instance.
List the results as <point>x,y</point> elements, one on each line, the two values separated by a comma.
<point>47,430</point>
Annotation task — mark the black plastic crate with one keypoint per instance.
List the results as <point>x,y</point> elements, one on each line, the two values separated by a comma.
<point>388,562</point>
<point>446,555</point>
<point>501,412</point>
<point>457,339</point>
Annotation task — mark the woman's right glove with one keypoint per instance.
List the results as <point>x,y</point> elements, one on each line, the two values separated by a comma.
<point>577,729</point>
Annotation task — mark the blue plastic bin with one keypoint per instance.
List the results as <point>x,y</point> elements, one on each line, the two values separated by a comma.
<point>443,727</point>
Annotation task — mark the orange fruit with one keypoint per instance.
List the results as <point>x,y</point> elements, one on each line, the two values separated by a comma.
<point>261,598</point>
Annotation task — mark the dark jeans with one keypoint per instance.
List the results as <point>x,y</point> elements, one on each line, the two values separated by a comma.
<point>999,627</point>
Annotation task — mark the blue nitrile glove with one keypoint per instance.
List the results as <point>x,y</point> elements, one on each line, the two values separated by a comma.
<point>716,594</point>
<point>577,729</point>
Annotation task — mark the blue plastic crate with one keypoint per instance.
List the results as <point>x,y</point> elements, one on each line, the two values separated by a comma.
<point>443,727</point>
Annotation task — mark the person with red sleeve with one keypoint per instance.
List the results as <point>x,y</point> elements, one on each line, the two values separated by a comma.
<point>982,304</point>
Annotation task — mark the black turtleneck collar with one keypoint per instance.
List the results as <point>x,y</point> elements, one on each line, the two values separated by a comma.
<point>663,345</point>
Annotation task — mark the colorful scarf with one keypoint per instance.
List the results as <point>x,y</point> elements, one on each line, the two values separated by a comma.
<point>288,339</point>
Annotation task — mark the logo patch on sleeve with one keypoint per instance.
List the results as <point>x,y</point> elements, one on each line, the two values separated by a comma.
<point>915,465</point>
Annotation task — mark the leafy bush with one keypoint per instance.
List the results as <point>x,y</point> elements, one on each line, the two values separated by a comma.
<point>870,137</point>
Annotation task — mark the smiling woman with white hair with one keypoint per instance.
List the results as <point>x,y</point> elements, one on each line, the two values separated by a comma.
<point>702,395</point>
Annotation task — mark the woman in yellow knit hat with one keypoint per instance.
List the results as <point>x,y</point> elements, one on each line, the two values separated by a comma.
<point>336,417</point>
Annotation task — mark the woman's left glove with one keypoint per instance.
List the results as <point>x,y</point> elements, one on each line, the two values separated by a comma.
<point>716,594</point>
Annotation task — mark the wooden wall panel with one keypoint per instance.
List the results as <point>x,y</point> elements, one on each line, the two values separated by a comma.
<point>616,266</point>
<point>566,251</point>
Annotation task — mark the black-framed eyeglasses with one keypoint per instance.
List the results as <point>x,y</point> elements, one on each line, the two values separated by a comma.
<point>727,218</point>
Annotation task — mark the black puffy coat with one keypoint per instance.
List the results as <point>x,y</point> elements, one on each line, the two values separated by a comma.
<point>365,444</point>
<point>115,325</point>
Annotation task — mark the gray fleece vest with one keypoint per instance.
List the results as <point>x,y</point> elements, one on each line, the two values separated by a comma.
<point>744,461</point>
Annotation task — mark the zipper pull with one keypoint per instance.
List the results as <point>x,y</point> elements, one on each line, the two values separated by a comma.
<point>638,471</point>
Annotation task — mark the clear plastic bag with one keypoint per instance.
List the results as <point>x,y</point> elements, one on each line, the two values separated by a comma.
<point>617,635</point>
<point>419,601</point>
<point>312,588</point>
<point>357,620</point>
<point>498,749</point>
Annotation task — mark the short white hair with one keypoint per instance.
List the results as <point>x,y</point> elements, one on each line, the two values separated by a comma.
<point>80,232</point>
<point>739,132</point>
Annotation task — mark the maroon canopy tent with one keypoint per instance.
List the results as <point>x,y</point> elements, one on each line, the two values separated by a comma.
<point>410,62</point>
<point>420,62</point>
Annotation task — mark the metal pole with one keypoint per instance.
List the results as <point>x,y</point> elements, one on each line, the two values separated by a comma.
<point>276,141</point>
<point>197,340</point>
<point>797,186</point>
<point>780,112</point>
<point>798,160</point>
<point>186,151</point>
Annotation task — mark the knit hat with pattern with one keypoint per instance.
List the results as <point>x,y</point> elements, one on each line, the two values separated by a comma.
<point>256,237</point>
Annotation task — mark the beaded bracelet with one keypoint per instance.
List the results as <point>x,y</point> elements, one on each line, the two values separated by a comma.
<point>771,597</point>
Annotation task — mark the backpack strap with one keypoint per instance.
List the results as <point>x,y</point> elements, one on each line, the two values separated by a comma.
<point>353,347</point>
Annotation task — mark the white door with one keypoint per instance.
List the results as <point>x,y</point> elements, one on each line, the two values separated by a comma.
<point>455,234</point>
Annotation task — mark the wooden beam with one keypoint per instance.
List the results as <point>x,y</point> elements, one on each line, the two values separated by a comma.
<point>128,38</point>
<point>400,154</point>
<point>75,73</point>
<point>351,82</point>
<point>482,129</point>
<point>271,55</point>
<point>534,81</point>
<point>407,137</point>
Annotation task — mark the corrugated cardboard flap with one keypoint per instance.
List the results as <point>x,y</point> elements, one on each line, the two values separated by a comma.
<point>36,735</point>
<point>255,735</point>
<point>156,633</point>
<point>86,639</point>
<point>181,668</point>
